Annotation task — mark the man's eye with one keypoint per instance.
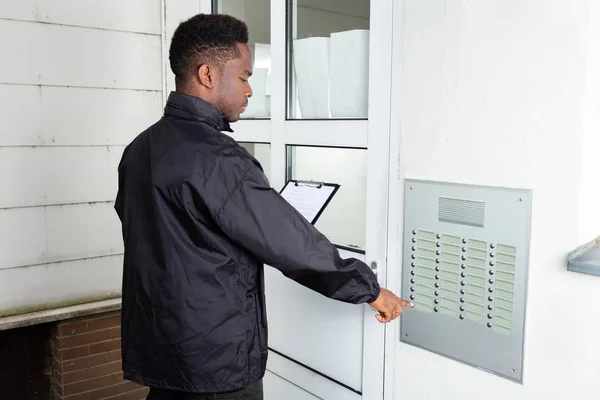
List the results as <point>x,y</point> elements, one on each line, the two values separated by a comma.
<point>244,80</point>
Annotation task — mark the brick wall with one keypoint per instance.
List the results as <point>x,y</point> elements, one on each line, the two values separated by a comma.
<point>87,360</point>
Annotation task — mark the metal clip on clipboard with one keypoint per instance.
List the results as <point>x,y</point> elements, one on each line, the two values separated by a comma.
<point>309,198</point>
<point>318,185</point>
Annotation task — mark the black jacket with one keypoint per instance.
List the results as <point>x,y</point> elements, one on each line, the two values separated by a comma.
<point>199,220</point>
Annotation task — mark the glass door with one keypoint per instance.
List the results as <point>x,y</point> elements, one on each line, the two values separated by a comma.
<point>321,111</point>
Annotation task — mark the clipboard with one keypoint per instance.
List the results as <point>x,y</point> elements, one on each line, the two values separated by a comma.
<point>309,198</point>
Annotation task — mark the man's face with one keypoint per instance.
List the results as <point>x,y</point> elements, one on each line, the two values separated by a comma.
<point>233,89</point>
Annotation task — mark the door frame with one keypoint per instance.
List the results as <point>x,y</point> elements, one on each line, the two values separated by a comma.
<point>395,193</point>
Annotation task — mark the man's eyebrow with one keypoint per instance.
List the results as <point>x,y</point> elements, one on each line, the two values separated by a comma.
<point>249,73</point>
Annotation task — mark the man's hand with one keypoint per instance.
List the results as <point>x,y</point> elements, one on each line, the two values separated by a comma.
<point>389,306</point>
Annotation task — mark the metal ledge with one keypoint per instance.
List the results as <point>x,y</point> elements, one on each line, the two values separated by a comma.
<point>586,259</point>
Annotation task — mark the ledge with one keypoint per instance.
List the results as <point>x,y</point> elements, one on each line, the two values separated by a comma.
<point>59,314</point>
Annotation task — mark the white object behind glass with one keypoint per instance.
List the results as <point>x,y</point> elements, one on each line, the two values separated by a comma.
<point>311,65</point>
<point>349,72</point>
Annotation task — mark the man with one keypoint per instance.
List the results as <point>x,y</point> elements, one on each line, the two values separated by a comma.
<point>199,220</point>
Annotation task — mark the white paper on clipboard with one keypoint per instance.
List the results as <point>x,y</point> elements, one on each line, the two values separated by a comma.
<point>309,199</point>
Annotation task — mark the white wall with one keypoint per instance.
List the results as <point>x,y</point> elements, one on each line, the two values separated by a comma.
<point>78,81</point>
<point>506,93</point>
<point>589,211</point>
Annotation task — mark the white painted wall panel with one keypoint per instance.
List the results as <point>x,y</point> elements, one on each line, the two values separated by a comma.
<point>48,115</point>
<point>80,79</point>
<point>46,175</point>
<point>80,116</point>
<point>62,55</point>
<point>124,15</point>
<point>22,236</point>
<point>83,230</point>
<point>52,283</point>
<point>36,235</point>
<point>22,176</point>
<point>20,115</point>
<point>175,13</point>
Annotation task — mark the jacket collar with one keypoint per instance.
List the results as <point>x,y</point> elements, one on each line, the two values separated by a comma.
<point>194,108</point>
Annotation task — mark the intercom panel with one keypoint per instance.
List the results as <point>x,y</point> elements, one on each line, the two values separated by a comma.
<point>465,268</point>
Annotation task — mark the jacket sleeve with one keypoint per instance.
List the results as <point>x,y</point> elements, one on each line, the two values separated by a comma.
<point>258,219</point>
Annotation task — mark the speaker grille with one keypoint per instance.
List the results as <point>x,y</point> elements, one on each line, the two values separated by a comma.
<point>459,211</point>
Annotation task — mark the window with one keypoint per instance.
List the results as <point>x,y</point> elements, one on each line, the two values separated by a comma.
<point>256,14</point>
<point>344,219</point>
<point>328,59</point>
<point>262,153</point>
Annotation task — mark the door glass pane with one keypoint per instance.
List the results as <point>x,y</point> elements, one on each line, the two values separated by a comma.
<point>328,58</point>
<point>262,152</point>
<point>257,15</point>
<point>344,219</point>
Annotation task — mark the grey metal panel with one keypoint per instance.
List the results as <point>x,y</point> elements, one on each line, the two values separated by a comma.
<point>465,266</point>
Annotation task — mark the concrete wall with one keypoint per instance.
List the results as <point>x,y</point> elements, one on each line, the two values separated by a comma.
<point>506,93</point>
<point>78,81</point>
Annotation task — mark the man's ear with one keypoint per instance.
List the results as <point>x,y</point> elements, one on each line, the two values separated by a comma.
<point>206,76</point>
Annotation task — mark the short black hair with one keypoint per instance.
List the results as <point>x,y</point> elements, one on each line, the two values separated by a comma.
<point>205,39</point>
